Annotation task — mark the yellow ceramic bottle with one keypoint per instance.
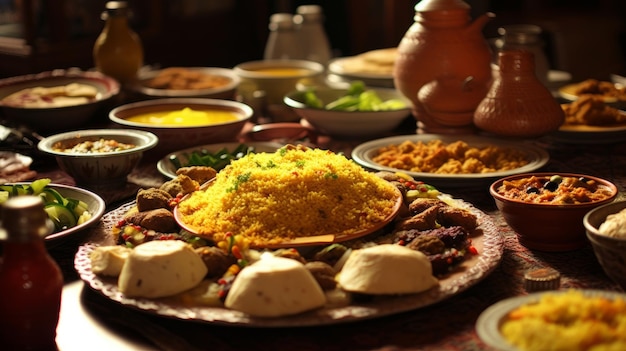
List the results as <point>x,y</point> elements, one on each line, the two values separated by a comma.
<point>118,51</point>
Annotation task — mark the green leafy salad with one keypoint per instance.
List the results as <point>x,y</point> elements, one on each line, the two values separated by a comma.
<point>357,98</point>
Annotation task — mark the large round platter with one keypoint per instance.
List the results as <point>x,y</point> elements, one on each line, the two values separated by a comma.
<point>326,239</point>
<point>489,322</point>
<point>488,241</point>
<point>537,157</point>
<point>166,167</point>
<point>95,205</point>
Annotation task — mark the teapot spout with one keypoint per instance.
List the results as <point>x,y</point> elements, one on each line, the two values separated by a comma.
<point>478,24</point>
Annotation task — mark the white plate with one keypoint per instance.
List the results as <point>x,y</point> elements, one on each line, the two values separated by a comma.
<point>488,241</point>
<point>537,158</point>
<point>169,170</point>
<point>95,205</point>
<point>489,321</point>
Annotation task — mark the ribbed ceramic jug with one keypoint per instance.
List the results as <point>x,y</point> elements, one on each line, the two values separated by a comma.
<point>445,53</point>
<point>518,104</point>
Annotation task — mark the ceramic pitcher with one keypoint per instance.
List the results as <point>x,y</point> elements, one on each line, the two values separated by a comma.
<point>518,104</point>
<point>443,65</point>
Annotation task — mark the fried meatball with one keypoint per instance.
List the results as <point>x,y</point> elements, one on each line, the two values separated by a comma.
<point>449,216</point>
<point>216,260</point>
<point>158,219</point>
<point>323,273</point>
<point>200,174</point>
<point>180,185</point>
<point>152,198</point>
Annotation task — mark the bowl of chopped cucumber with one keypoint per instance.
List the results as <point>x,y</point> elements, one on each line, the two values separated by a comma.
<point>70,209</point>
<point>356,112</point>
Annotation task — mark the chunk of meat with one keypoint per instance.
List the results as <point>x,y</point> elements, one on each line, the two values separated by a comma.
<point>424,220</point>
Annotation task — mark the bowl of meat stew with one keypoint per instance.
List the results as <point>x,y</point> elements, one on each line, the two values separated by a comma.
<point>546,210</point>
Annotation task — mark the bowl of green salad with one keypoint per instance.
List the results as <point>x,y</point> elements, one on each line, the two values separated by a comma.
<point>70,209</point>
<point>356,112</point>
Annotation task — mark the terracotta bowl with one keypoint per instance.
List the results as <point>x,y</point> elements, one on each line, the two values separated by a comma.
<point>548,227</point>
<point>57,119</point>
<point>99,170</point>
<point>610,251</point>
<point>172,138</point>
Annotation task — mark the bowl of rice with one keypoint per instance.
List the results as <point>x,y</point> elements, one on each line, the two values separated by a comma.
<point>293,197</point>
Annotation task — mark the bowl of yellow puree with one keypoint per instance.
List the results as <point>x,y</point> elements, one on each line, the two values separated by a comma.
<point>184,122</point>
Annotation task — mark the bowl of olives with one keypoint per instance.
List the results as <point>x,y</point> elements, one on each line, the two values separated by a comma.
<point>546,210</point>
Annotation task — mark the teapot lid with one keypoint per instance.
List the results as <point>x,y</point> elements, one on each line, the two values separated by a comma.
<point>441,5</point>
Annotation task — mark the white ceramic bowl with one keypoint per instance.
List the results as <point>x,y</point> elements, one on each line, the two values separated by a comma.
<point>56,119</point>
<point>99,169</point>
<point>227,91</point>
<point>172,138</point>
<point>349,124</point>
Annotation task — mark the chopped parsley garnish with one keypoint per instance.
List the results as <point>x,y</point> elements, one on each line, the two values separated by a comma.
<point>242,178</point>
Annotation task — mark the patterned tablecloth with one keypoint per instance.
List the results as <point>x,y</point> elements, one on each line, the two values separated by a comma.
<point>448,325</point>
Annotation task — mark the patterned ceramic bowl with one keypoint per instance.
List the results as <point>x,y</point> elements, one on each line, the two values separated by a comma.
<point>98,167</point>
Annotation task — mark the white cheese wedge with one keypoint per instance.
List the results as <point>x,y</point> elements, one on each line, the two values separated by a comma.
<point>387,269</point>
<point>161,268</point>
<point>273,287</point>
<point>109,260</point>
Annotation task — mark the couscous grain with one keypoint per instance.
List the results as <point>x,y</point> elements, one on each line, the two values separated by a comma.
<point>569,321</point>
<point>272,197</point>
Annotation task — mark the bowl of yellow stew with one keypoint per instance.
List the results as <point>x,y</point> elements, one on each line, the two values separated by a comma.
<point>184,122</point>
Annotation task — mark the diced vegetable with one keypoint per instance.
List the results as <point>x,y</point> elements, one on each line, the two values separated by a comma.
<point>63,211</point>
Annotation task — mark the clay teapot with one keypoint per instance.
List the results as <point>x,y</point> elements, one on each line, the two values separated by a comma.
<point>517,103</point>
<point>444,50</point>
<point>451,101</point>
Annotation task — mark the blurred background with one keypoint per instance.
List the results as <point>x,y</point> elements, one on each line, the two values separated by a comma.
<point>586,38</point>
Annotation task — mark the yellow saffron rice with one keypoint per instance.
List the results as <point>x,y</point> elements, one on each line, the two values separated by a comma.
<point>292,193</point>
<point>569,321</point>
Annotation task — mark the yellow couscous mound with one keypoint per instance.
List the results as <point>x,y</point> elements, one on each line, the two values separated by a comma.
<point>292,193</point>
<point>568,321</point>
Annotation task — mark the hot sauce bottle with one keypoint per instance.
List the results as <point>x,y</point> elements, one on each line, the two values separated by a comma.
<point>31,281</point>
